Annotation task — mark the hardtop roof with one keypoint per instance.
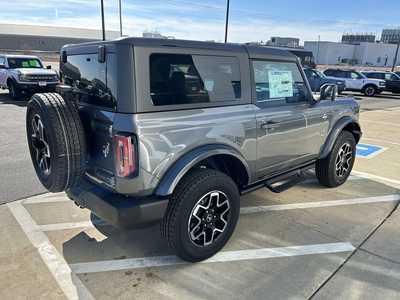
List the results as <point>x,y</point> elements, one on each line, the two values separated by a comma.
<point>253,51</point>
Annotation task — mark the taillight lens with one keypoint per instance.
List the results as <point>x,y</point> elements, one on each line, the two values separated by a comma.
<point>125,163</point>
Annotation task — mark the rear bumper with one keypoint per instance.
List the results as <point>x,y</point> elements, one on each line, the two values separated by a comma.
<point>118,210</point>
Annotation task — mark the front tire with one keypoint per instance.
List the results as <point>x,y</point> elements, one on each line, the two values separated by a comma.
<point>14,91</point>
<point>334,170</point>
<point>370,91</point>
<point>202,214</point>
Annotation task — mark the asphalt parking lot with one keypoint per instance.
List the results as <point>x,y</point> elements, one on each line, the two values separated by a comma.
<point>308,242</point>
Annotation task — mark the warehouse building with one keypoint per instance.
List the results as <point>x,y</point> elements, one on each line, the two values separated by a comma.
<point>46,38</point>
<point>364,54</point>
<point>289,42</point>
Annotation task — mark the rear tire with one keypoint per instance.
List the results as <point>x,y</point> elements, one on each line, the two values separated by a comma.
<point>201,215</point>
<point>333,170</point>
<point>56,141</point>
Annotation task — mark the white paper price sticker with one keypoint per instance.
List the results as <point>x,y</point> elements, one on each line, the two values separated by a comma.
<point>280,84</point>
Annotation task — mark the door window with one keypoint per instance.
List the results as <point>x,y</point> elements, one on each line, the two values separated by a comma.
<point>279,83</point>
<point>2,61</point>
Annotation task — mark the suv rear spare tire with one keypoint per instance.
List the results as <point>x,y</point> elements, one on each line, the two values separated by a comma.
<point>56,141</point>
<point>202,214</point>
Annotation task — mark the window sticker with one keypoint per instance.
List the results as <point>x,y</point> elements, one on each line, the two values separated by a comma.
<point>280,84</point>
<point>209,85</point>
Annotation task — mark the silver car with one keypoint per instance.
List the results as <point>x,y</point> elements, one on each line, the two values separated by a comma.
<point>143,130</point>
<point>26,74</point>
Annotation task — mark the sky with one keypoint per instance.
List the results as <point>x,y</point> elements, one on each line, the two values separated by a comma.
<point>250,20</point>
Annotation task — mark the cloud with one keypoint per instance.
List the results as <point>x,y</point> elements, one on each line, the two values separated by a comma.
<point>185,19</point>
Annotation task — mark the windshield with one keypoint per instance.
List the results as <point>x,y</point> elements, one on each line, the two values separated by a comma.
<point>360,75</point>
<point>21,62</point>
<point>322,75</point>
<point>395,76</point>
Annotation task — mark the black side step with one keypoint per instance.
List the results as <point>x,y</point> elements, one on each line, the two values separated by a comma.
<point>286,181</point>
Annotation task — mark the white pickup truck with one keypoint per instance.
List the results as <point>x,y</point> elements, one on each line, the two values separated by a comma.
<point>23,74</point>
<point>356,81</point>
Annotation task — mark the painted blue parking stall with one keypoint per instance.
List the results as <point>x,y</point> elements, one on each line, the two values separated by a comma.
<point>368,151</point>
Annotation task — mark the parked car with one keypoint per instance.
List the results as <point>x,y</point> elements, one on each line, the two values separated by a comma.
<point>392,79</point>
<point>143,130</point>
<point>317,79</point>
<point>25,74</point>
<point>356,81</point>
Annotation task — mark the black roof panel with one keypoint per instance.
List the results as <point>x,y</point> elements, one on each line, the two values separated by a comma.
<point>253,51</point>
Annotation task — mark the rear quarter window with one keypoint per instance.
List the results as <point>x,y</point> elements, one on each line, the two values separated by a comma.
<point>88,76</point>
<point>187,79</point>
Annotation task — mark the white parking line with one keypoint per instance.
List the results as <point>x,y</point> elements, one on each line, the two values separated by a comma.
<point>380,179</point>
<point>319,204</point>
<point>72,225</point>
<point>47,198</point>
<point>70,284</point>
<point>381,123</point>
<point>226,256</point>
<point>248,210</point>
<point>381,141</point>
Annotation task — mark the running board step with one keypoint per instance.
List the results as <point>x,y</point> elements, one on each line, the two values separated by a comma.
<point>286,181</point>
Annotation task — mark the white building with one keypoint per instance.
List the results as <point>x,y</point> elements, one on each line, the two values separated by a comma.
<point>366,54</point>
<point>155,35</point>
<point>289,42</point>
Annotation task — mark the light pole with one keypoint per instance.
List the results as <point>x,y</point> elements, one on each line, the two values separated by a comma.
<point>395,56</point>
<point>226,21</point>
<point>103,29</point>
<point>120,17</point>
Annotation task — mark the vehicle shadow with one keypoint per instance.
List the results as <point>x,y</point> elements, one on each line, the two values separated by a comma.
<point>360,96</point>
<point>107,242</point>
<point>5,99</point>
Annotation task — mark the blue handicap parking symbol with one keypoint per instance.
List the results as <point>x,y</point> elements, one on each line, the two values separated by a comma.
<point>365,150</point>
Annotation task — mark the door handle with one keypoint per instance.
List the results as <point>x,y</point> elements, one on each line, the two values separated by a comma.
<point>269,124</point>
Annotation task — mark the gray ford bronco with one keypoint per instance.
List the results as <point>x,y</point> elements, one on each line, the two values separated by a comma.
<point>143,130</point>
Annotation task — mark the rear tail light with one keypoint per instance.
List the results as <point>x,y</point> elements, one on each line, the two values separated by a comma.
<point>125,163</point>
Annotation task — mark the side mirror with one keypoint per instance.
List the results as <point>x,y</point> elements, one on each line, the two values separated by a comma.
<point>64,57</point>
<point>328,92</point>
<point>48,67</point>
<point>2,66</point>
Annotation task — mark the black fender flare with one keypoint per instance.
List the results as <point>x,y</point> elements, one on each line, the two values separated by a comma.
<point>11,79</point>
<point>175,173</point>
<point>336,130</point>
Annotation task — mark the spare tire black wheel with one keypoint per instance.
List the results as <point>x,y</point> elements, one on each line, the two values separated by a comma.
<point>56,141</point>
